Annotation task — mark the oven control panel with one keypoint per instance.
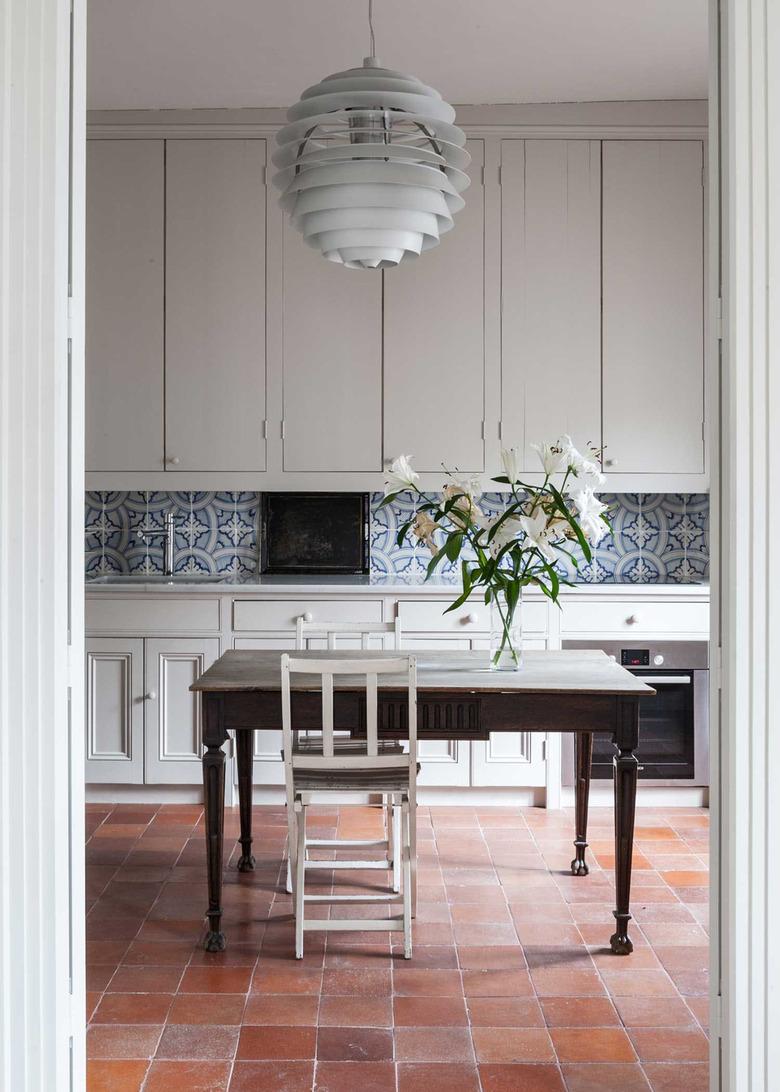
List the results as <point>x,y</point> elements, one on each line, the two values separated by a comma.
<point>635,657</point>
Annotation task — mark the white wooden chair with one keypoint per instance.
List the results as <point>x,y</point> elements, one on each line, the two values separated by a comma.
<point>362,767</point>
<point>369,634</point>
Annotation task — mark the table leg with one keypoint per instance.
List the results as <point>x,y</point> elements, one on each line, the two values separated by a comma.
<point>626,770</point>
<point>214,735</point>
<point>244,748</point>
<point>583,747</point>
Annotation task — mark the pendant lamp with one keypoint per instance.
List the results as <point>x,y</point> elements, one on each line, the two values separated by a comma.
<point>371,166</point>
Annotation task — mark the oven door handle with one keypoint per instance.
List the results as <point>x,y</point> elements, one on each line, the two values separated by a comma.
<point>665,680</point>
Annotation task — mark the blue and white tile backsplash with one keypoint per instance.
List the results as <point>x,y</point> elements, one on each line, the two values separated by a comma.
<point>659,537</point>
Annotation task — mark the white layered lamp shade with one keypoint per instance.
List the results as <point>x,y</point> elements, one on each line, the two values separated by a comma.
<point>371,167</point>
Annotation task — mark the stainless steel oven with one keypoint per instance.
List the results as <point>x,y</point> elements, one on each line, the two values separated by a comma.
<point>673,725</point>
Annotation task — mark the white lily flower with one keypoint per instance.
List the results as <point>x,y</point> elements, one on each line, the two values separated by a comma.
<point>589,512</point>
<point>509,530</point>
<point>400,473</point>
<point>586,469</point>
<point>539,534</point>
<point>510,457</point>
<point>555,457</point>
<point>423,528</point>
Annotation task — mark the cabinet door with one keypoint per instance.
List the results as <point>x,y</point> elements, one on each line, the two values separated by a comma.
<point>550,292</point>
<point>653,284</point>
<point>332,362</point>
<point>115,711</point>
<point>511,759</point>
<point>215,386</point>
<point>124,304</point>
<point>434,364</point>
<point>173,722</point>
<point>442,762</point>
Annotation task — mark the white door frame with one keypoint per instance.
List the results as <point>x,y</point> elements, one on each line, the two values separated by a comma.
<point>42,134</point>
<point>746,530</point>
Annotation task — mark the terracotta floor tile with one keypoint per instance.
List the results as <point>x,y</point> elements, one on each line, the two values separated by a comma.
<point>133,1008</point>
<point>491,912</point>
<point>696,958</point>
<point>196,1041</point>
<point>408,981</point>
<point>512,1045</point>
<point>281,1010</point>
<point>483,958</point>
<point>429,1012</point>
<point>564,982</point>
<point>216,980</point>
<point>437,956</point>
<point>579,1012</point>
<point>351,1076</point>
<point>354,1044</point>
<point>273,1076</point>
<point>638,983</point>
<point>265,1043</point>
<point>670,1044</point>
<point>546,932</point>
<point>521,1078</point>
<point>607,1077</point>
<point>674,1077</point>
<point>177,1076</point>
<point>653,1012</point>
<point>157,954</point>
<point>437,1077</point>
<point>504,1012</point>
<point>207,1008</point>
<point>115,1076</point>
<point>357,981</point>
<point>663,935</point>
<point>341,1011</point>
<point>496,983</point>
<point>286,979</point>
<point>145,980</point>
<point>433,1045</point>
<point>592,1045</point>
<point>122,1040</point>
<point>685,878</point>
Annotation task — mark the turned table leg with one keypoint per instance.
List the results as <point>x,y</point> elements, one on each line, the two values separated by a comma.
<point>244,741</point>
<point>214,735</point>
<point>583,750</point>
<point>626,771</point>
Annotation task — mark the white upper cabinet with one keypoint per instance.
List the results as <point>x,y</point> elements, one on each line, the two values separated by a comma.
<point>124,293</point>
<point>215,305</point>
<point>653,290</point>
<point>434,343</point>
<point>331,362</point>
<point>550,292</point>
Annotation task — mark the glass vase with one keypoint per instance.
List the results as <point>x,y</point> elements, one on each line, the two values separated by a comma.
<point>506,634</point>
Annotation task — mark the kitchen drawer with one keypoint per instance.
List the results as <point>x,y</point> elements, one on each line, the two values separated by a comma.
<point>274,614</point>
<point>424,616</point>
<point>147,615</point>
<point>634,616</point>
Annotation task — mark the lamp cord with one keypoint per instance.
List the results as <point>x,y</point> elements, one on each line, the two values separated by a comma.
<point>371,27</point>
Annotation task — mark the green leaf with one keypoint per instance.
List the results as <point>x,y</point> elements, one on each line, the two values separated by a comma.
<point>453,544</point>
<point>389,498</point>
<point>404,531</point>
<point>563,509</point>
<point>458,602</point>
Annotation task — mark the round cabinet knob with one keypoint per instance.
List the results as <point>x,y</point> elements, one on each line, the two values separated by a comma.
<point>631,620</point>
<point>658,660</point>
<point>308,616</point>
<point>174,460</point>
<point>613,659</point>
<point>151,696</point>
<point>610,462</point>
<point>472,619</point>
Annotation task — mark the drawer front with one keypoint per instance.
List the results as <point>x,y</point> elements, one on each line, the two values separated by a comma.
<point>147,615</point>
<point>282,614</point>
<point>424,616</point>
<point>627,617</point>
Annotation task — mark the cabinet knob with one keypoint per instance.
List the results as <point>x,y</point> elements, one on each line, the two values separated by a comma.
<point>151,696</point>
<point>472,618</point>
<point>308,616</point>
<point>610,462</point>
<point>658,660</point>
<point>631,620</point>
<point>174,460</point>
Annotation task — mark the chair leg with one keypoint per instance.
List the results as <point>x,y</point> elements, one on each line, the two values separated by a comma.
<point>300,882</point>
<point>392,845</point>
<point>407,883</point>
<point>288,885</point>
<point>413,851</point>
<point>291,847</point>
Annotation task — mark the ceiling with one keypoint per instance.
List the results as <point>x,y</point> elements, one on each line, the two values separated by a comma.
<point>222,53</point>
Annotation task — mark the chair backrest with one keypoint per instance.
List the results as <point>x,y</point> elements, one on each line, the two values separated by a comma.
<point>371,671</point>
<point>331,631</point>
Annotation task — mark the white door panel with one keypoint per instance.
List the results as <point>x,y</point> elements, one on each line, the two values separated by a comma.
<point>173,721</point>
<point>115,711</point>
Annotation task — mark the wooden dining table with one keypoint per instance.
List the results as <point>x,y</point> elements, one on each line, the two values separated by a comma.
<point>458,698</point>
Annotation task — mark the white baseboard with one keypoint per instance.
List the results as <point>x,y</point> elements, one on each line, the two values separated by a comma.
<point>647,796</point>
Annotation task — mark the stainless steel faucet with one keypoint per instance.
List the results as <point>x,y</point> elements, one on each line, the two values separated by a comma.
<point>168,534</point>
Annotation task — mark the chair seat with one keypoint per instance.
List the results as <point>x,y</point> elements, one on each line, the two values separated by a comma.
<point>308,745</point>
<point>387,779</point>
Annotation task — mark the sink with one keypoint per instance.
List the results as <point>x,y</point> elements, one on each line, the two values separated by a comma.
<point>162,578</point>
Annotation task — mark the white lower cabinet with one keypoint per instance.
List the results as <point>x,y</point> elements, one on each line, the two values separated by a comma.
<point>143,724</point>
<point>267,767</point>
<point>172,722</point>
<point>115,711</point>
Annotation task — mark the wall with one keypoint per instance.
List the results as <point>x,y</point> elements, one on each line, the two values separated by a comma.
<point>658,538</point>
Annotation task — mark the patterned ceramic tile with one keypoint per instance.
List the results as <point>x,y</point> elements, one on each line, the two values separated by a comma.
<point>658,538</point>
